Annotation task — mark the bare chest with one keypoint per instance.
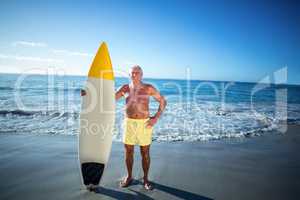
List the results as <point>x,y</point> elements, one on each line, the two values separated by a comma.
<point>139,95</point>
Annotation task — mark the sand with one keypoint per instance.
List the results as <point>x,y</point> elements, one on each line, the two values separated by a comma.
<point>264,167</point>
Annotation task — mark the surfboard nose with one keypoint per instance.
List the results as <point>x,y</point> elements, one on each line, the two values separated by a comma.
<point>101,66</point>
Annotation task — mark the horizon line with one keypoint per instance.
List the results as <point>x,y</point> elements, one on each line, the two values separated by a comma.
<point>251,82</point>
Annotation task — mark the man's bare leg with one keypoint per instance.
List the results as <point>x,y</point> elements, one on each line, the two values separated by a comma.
<point>145,152</point>
<point>129,150</point>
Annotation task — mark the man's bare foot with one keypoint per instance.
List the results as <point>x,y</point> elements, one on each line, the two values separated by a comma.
<point>148,185</point>
<point>126,182</point>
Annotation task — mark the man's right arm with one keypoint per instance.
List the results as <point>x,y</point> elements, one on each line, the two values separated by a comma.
<point>82,92</point>
<point>122,91</point>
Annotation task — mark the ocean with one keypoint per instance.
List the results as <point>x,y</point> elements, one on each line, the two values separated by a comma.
<point>196,110</point>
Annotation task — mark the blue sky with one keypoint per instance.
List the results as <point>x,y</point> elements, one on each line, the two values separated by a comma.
<point>216,40</point>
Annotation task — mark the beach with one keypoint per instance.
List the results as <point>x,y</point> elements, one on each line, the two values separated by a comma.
<point>263,167</point>
<point>216,81</point>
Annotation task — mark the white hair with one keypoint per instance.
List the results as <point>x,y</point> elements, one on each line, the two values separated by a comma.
<point>137,67</point>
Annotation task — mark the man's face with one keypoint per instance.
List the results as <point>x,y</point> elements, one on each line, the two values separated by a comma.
<point>136,74</point>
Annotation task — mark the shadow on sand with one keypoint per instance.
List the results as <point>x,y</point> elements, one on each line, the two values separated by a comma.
<point>179,193</point>
<point>142,195</point>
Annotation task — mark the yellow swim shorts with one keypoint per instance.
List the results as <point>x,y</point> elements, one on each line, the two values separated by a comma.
<point>136,132</point>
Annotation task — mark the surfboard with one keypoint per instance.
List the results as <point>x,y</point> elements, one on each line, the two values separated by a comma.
<point>97,118</point>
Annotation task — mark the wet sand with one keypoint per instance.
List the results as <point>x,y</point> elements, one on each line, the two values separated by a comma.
<point>264,167</point>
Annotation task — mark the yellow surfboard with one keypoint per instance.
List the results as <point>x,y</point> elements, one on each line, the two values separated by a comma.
<point>97,118</point>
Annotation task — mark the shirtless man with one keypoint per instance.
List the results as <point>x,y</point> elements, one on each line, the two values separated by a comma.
<point>138,124</point>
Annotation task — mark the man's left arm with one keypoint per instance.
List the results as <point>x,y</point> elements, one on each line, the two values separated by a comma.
<point>162,105</point>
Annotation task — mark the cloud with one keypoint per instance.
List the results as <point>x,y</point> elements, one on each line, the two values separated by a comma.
<point>28,58</point>
<point>2,56</point>
<point>71,53</point>
<point>30,44</point>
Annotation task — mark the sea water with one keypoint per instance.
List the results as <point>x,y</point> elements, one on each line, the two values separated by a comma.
<point>196,110</point>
